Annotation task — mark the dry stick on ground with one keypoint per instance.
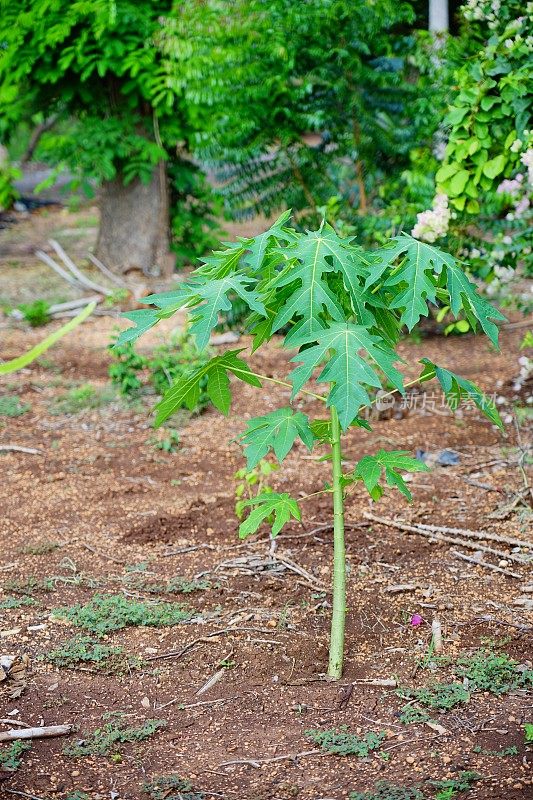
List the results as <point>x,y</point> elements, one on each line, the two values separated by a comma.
<point>302,572</point>
<point>203,639</point>
<point>17,448</point>
<point>403,526</point>
<point>102,555</point>
<point>36,733</point>
<point>256,762</point>
<point>59,270</point>
<point>493,567</point>
<point>492,537</point>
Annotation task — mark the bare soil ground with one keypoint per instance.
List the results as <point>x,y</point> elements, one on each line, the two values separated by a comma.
<point>99,510</point>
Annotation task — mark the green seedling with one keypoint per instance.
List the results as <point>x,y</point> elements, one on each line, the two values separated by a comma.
<point>344,311</point>
<point>440,696</point>
<point>11,756</point>
<point>487,671</point>
<point>82,398</point>
<point>172,787</point>
<point>82,649</point>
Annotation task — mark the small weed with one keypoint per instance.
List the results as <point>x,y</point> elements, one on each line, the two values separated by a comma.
<point>252,483</point>
<point>27,586</point>
<point>130,371</point>
<point>528,731</point>
<point>177,585</point>
<point>10,406</point>
<point>388,791</point>
<point>167,441</point>
<point>448,789</point>
<point>36,313</point>
<point>507,751</point>
<point>77,795</point>
<point>172,787</point>
<point>105,741</point>
<point>16,602</point>
<point>81,398</point>
<point>411,715</point>
<point>82,649</point>
<point>343,743</point>
<point>10,758</point>
<point>40,549</point>
<point>441,696</point>
<point>112,612</point>
<point>488,671</point>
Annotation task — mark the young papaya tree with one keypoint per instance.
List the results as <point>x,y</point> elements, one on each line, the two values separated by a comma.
<point>342,312</point>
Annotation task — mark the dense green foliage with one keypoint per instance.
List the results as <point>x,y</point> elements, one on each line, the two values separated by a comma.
<point>94,68</point>
<point>322,103</point>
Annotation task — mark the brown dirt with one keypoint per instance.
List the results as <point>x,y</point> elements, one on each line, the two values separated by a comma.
<point>108,500</point>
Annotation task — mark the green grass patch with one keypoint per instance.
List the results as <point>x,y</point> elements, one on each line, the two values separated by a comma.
<point>341,742</point>
<point>112,612</point>
<point>82,398</point>
<point>11,406</point>
<point>506,751</point>
<point>177,585</point>
<point>106,741</point>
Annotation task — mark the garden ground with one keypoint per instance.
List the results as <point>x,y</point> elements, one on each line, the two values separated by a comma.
<point>100,511</point>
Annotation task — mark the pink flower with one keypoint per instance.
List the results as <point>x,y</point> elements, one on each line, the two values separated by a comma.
<point>416,620</point>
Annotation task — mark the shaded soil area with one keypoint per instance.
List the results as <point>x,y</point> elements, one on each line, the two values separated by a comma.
<point>100,511</point>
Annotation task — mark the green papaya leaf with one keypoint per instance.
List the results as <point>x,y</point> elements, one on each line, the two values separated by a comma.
<point>277,431</point>
<point>370,468</point>
<point>279,506</point>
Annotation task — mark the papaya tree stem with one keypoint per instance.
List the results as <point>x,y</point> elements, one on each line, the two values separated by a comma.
<point>336,648</point>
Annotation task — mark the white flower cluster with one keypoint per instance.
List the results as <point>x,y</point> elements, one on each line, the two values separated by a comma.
<point>527,161</point>
<point>433,223</point>
<point>483,11</point>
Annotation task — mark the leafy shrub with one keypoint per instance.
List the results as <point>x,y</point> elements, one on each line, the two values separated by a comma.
<point>343,743</point>
<point>10,406</point>
<point>112,612</point>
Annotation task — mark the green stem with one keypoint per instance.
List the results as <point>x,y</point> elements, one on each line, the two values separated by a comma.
<point>336,647</point>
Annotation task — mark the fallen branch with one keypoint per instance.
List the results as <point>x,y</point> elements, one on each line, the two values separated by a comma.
<point>17,448</point>
<point>44,257</point>
<point>310,579</point>
<point>471,560</point>
<point>71,304</point>
<point>492,537</point>
<point>441,538</point>
<point>78,275</point>
<point>36,733</point>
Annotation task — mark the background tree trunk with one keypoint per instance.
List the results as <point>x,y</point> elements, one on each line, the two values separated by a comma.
<point>134,226</point>
<point>438,16</point>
